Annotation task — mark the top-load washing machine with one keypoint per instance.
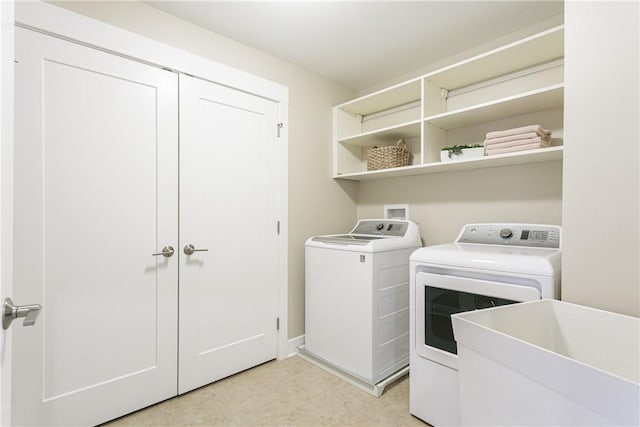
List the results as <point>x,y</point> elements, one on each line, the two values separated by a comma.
<point>488,265</point>
<point>357,300</point>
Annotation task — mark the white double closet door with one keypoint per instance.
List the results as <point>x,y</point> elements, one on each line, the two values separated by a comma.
<point>115,160</point>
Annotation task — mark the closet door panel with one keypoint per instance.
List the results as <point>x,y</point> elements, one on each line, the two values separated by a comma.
<point>228,201</point>
<point>95,197</point>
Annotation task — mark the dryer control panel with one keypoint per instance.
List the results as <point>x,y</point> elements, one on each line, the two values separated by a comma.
<point>527,235</point>
<point>381,227</point>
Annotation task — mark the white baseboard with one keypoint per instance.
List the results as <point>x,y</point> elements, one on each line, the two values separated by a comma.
<point>294,343</point>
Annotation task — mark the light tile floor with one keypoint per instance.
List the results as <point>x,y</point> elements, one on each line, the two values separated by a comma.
<point>291,392</point>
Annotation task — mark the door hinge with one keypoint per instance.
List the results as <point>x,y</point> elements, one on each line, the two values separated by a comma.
<point>278,227</point>
<point>280,125</point>
<point>277,323</point>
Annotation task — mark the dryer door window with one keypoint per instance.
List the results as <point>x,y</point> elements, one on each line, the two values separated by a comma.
<point>440,304</point>
<point>438,296</point>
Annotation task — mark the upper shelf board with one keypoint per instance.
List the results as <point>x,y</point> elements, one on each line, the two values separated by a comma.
<point>529,102</point>
<point>509,159</point>
<point>386,99</point>
<point>528,52</point>
<point>525,53</point>
<point>384,136</point>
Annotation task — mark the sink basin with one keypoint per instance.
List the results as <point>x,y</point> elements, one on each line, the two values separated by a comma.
<point>548,362</point>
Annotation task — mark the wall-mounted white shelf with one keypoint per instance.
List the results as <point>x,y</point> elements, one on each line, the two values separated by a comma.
<point>518,84</point>
<point>516,105</point>
<point>401,94</point>
<point>402,131</point>
<point>522,54</point>
<point>494,161</point>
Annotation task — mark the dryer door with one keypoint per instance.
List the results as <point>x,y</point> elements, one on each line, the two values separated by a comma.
<point>438,296</point>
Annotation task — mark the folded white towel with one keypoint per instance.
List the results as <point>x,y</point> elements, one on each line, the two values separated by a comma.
<point>542,142</point>
<point>492,151</point>
<point>519,137</point>
<point>516,131</point>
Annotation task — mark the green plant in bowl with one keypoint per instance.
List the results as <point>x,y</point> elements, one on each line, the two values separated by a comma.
<point>457,149</point>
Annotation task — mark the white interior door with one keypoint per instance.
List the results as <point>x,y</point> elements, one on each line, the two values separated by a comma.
<point>228,202</point>
<point>95,196</point>
<point>6,180</point>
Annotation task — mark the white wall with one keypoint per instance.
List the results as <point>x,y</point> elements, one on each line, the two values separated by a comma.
<point>601,181</point>
<point>317,204</point>
<point>442,203</point>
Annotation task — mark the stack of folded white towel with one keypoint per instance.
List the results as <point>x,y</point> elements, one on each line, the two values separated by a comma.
<point>517,139</point>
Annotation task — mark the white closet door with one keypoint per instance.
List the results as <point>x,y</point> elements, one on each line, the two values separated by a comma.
<point>228,201</point>
<point>95,197</point>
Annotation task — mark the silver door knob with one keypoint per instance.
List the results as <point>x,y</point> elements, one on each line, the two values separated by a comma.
<point>167,252</point>
<point>190,249</point>
<point>11,312</point>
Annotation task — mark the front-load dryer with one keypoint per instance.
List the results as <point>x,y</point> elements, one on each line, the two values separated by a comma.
<point>357,300</point>
<point>488,265</point>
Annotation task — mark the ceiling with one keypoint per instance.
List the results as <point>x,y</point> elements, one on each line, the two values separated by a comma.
<point>360,44</point>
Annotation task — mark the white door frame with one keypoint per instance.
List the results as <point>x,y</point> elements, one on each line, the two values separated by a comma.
<point>6,196</point>
<point>62,23</point>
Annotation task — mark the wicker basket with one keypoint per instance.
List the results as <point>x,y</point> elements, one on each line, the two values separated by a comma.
<point>393,156</point>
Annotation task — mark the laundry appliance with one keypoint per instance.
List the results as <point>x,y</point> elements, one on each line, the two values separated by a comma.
<point>488,265</point>
<point>357,302</point>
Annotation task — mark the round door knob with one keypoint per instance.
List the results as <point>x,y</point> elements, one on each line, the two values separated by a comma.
<point>190,249</point>
<point>505,233</point>
<point>167,252</point>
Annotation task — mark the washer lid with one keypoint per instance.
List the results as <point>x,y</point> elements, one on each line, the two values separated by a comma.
<point>372,235</point>
<point>346,239</point>
<point>512,259</point>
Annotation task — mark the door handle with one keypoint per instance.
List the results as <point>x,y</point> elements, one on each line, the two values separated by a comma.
<point>11,312</point>
<point>167,252</point>
<point>190,249</point>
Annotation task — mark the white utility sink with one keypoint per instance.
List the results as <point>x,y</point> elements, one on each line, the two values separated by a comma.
<point>548,362</point>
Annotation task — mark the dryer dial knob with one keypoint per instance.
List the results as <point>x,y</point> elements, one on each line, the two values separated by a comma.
<point>379,227</point>
<point>506,233</point>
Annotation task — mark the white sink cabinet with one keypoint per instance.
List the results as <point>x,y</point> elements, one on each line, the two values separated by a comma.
<point>548,363</point>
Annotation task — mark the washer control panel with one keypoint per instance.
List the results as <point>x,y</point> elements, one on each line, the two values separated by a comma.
<point>381,227</point>
<point>528,235</point>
